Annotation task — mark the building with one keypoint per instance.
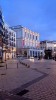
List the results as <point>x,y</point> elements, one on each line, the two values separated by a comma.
<point>48,45</point>
<point>9,46</point>
<point>1,35</point>
<point>27,42</point>
<point>12,43</point>
<point>7,40</point>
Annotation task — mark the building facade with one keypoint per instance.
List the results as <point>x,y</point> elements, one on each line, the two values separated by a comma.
<point>7,40</point>
<point>48,45</point>
<point>1,35</point>
<point>12,43</point>
<point>27,42</point>
<point>9,47</point>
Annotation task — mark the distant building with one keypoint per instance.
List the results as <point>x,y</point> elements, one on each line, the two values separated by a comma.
<point>27,41</point>
<point>48,45</point>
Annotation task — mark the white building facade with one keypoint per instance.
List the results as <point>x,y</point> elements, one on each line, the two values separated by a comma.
<point>10,49</point>
<point>48,45</point>
<point>27,42</point>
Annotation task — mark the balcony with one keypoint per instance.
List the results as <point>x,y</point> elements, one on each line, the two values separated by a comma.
<point>5,35</point>
<point>5,41</point>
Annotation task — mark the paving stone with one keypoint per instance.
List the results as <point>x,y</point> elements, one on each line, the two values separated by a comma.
<point>43,89</point>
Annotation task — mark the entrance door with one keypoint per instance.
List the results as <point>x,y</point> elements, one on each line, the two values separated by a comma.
<point>25,53</point>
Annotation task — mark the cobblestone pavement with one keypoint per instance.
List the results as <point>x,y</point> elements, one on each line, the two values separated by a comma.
<point>45,89</point>
<point>39,80</point>
<point>7,96</point>
<point>13,77</point>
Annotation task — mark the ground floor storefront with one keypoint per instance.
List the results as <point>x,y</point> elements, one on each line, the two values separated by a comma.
<point>6,54</point>
<point>30,52</point>
<point>9,53</point>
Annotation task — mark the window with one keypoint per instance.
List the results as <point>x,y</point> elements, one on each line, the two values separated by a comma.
<point>10,43</point>
<point>36,37</point>
<point>25,34</point>
<point>30,36</point>
<point>10,33</point>
<point>31,53</point>
<point>36,53</point>
<point>33,36</point>
<point>54,48</point>
<point>10,38</point>
<point>14,35</point>
<point>14,44</point>
<point>14,39</point>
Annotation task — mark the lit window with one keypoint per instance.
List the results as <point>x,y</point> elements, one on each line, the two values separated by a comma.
<point>36,37</point>
<point>14,35</point>
<point>25,34</point>
<point>30,36</point>
<point>33,36</point>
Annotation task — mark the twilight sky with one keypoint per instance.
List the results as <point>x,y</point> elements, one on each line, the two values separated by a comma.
<point>37,15</point>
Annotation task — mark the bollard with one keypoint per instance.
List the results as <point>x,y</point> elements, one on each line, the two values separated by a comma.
<point>6,66</point>
<point>25,64</point>
<point>28,66</point>
<point>17,65</point>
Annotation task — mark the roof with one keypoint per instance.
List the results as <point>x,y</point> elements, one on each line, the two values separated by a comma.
<point>16,27</point>
<point>20,26</point>
<point>47,41</point>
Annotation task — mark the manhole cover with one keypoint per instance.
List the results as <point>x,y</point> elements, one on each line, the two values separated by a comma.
<point>3,74</point>
<point>34,68</point>
<point>1,66</point>
<point>48,68</point>
<point>22,92</point>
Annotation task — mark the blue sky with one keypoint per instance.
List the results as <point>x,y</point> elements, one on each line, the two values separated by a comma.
<point>37,15</point>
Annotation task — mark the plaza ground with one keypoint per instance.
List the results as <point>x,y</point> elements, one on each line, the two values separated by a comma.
<point>39,80</point>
